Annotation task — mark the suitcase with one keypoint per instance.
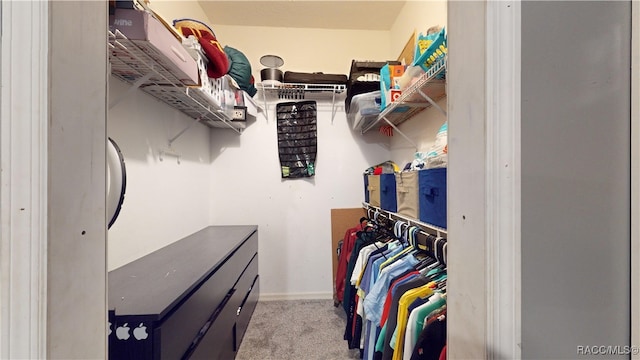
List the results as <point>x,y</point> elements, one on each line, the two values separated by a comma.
<point>314,78</point>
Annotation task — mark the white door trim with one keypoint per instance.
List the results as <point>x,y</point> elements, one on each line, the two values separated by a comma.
<point>23,191</point>
<point>503,179</point>
<point>635,176</point>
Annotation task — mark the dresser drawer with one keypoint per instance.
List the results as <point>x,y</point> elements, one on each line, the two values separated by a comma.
<point>180,329</point>
<point>218,342</point>
<point>245,311</point>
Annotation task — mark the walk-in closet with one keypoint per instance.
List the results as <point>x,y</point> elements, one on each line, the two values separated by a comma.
<point>277,180</point>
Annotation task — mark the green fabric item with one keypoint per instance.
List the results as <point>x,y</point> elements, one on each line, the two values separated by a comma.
<point>424,312</point>
<point>240,70</point>
<point>380,341</point>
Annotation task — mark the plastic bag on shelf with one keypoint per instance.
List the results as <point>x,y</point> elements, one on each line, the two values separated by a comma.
<point>437,155</point>
<point>387,167</point>
<point>419,161</point>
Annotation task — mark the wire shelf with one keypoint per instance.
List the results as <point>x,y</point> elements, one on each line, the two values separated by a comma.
<point>333,88</point>
<point>147,69</point>
<point>429,88</point>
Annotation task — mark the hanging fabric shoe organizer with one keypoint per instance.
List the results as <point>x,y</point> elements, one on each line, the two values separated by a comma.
<point>297,138</point>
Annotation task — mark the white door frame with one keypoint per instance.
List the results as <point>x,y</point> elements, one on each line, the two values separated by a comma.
<point>503,179</point>
<point>23,191</point>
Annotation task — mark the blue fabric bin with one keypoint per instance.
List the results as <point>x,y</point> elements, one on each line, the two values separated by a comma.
<point>388,196</point>
<point>432,189</point>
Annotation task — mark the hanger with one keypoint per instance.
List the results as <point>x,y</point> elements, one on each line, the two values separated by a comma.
<point>444,252</point>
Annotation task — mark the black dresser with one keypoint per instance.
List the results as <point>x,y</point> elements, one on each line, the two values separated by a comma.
<point>192,299</point>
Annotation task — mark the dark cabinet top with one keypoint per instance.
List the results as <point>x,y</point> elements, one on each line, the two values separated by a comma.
<point>155,283</point>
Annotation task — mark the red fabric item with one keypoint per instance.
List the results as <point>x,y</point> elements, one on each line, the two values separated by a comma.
<point>218,61</point>
<point>348,243</point>
<point>443,353</point>
<point>388,299</point>
<point>377,170</point>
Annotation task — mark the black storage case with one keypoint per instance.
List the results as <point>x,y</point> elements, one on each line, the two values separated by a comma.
<point>314,78</point>
<point>361,68</point>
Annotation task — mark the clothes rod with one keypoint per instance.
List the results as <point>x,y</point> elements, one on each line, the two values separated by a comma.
<point>440,232</point>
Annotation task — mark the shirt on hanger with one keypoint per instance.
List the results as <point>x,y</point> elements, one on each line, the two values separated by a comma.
<point>415,324</point>
<point>397,340</point>
<point>374,301</point>
<point>384,341</point>
<point>431,341</point>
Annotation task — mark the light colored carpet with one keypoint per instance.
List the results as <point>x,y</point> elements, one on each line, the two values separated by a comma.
<point>300,330</point>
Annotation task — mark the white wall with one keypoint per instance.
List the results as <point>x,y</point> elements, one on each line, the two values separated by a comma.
<point>422,130</point>
<point>164,200</point>
<point>170,10</point>
<point>293,215</point>
<point>416,16</point>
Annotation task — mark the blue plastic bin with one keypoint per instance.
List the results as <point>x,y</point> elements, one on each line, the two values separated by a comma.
<point>432,189</point>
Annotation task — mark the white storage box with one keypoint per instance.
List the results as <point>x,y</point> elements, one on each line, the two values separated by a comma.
<point>159,43</point>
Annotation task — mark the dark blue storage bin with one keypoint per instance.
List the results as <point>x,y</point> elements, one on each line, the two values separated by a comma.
<point>388,196</point>
<point>366,188</point>
<point>432,189</point>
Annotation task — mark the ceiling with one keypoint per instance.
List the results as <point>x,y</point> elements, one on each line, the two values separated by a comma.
<point>353,14</point>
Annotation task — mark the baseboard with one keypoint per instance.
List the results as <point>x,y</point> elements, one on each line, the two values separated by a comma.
<point>297,296</point>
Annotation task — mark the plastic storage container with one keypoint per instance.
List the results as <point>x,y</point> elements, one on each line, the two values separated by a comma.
<point>432,188</point>
<point>364,109</point>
